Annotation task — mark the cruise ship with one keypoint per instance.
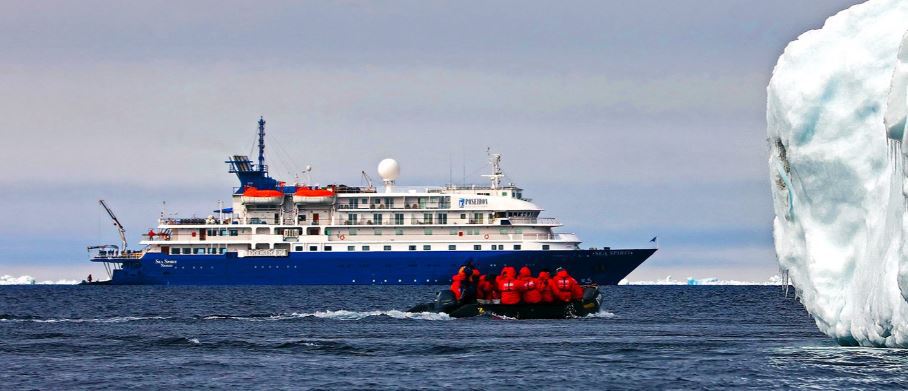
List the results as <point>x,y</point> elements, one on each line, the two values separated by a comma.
<point>275,233</point>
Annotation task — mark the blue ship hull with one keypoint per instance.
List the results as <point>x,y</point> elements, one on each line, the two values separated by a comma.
<point>604,267</point>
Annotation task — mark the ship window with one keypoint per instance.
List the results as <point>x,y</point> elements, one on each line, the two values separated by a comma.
<point>327,248</point>
<point>223,232</point>
<point>351,248</point>
<point>313,231</point>
<point>504,193</point>
<point>387,248</point>
<point>477,247</point>
<point>175,251</point>
<point>427,247</point>
<point>463,216</point>
<point>234,232</point>
<point>299,248</point>
<point>212,232</point>
<point>377,232</point>
<point>365,248</point>
<point>412,247</point>
<point>398,232</point>
<point>517,247</point>
<point>312,248</point>
<point>302,217</point>
<point>223,250</point>
<point>545,247</point>
<point>442,218</point>
<point>364,201</point>
<point>353,231</point>
<point>427,218</point>
<point>186,251</point>
<point>452,247</point>
<point>399,219</point>
<point>452,232</point>
<point>427,232</point>
<point>376,218</point>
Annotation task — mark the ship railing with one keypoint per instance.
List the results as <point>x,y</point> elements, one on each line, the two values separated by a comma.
<point>431,206</point>
<point>208,238</point>
<point>534,220</point>
<point>114,255</point>
<point>197,221</point>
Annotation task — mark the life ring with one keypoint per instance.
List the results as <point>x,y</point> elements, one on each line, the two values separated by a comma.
<point>342,237</point>
<point>486,236</point>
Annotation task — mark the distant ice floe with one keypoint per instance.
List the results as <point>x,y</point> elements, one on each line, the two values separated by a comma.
<point>774,280</point>
<point>836,117</point>
<point>29,280</point>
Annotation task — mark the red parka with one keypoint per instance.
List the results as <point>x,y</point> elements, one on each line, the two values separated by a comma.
<point>457,279</point>
<point>545,280</point>
<point>564,287</point>
<point>532,293</point>
<point>510,288</point>
<point>484,289</point>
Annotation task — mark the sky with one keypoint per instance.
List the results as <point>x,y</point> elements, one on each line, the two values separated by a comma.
<point>625,120</point>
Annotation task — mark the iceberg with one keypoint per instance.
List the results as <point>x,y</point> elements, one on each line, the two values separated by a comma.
<point>836,114</point>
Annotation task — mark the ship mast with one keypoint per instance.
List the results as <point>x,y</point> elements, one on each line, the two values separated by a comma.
<point>495,176</point>
<point>262,144</point>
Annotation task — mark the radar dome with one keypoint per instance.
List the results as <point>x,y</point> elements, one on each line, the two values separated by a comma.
<point>388,169</point>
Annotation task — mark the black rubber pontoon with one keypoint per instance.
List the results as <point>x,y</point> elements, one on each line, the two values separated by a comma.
<point>445,302</point>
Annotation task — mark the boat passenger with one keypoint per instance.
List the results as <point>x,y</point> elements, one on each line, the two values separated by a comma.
<point>483,293</point>
<point>532,293</point>
<point>457,285</point>
<point>508,269</point>
<point>510,287</point>
<point>545,279</point>
<point>496,294</point>
<point>564,286</point>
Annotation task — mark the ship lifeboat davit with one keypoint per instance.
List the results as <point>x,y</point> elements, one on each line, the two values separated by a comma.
<point>253,196</point>
<point>307,196</point>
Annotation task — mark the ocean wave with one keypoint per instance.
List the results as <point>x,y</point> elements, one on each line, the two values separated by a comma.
<point>117,319</point>
<point>335,315</point>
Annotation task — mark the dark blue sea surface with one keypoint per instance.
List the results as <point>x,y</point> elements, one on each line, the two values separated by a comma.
<point>653,337</point>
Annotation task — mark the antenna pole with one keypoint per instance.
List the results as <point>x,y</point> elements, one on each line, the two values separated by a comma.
<point>262,144</point>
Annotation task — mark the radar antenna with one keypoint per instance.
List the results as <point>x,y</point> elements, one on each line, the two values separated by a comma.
<point>497,174</point>
<point>116,223</point>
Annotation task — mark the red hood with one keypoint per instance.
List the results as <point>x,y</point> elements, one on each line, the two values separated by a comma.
<point>545,275</point>
<point>562,274</point>
<point>525,272</point>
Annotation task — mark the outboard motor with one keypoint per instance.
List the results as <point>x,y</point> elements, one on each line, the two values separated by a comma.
<point>590,294</point>
<point>445,300</point>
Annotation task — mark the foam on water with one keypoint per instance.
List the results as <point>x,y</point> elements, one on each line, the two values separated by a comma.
<point>29,280</point>
<point>836,172</point>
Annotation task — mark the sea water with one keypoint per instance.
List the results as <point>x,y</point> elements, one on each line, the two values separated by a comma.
<point>109,337</point>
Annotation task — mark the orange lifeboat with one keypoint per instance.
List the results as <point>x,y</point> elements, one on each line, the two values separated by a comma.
<point>308,196</point>
<point>253,196</point>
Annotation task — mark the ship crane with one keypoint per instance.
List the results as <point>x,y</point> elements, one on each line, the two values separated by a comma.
<point>116,223</point>
<point>368,180</point>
